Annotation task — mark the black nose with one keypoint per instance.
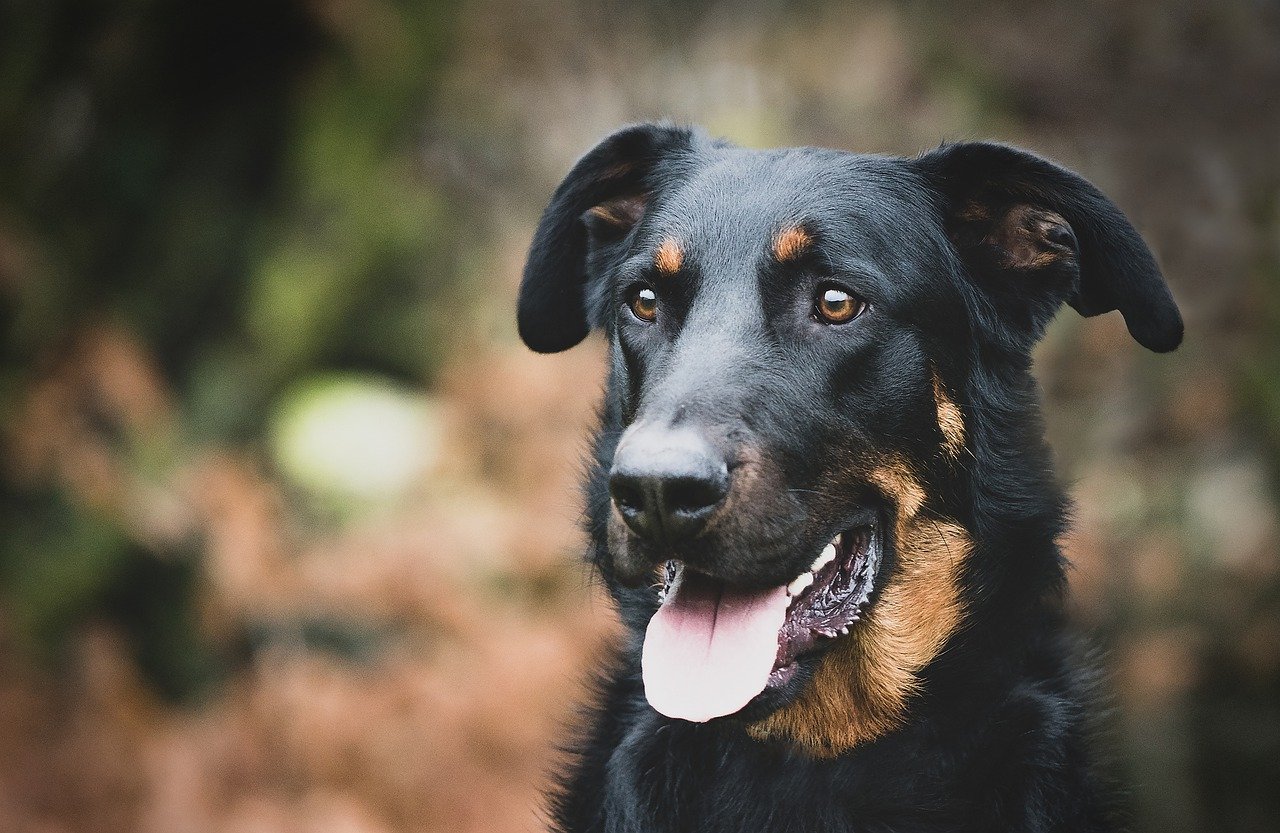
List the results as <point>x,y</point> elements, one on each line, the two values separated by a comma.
<point>666,483</point>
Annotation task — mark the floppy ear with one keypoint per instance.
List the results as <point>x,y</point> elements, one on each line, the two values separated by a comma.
<point>1029,229</point>
<point>597,205</point>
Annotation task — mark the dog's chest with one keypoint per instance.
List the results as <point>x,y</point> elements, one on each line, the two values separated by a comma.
<point>666,776</point>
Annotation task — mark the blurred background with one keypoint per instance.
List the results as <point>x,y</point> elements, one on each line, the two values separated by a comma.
<point>288,515</point>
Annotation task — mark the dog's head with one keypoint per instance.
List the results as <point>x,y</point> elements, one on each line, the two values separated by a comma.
<point>820,410</point>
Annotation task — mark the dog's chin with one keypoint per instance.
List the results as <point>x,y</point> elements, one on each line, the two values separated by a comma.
<point>719,650</point>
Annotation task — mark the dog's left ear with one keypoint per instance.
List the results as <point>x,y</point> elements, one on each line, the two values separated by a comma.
<point>1024,225</point>
<point>584,227</point>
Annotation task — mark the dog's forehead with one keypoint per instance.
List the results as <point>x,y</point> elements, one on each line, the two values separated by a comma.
<point>741,196</point>
<point>733,207</point>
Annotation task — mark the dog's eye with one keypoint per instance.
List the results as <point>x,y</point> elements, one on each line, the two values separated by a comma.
<point>837,306</point>
<point>643,302</point>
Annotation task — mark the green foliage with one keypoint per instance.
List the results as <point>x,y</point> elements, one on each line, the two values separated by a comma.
<point>55,560</point>
<point>238,186</point>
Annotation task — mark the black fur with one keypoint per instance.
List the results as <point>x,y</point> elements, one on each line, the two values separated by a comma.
<point>996,738</point>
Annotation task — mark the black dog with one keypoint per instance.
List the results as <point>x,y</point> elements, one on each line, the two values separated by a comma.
<point>821,495</point>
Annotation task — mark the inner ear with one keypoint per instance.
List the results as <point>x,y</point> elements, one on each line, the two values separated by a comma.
<point>1017,236</point>
<point>610,221</point>
<point>621,213</point>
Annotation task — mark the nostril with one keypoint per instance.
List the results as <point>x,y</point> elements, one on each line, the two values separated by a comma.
<point>692,495</point>
<point>627,493</point>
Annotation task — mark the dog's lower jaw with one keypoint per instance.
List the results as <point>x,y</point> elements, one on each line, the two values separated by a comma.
<point>862,686</point>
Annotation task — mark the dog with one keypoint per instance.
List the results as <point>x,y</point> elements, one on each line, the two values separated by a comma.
<point>820,494</point>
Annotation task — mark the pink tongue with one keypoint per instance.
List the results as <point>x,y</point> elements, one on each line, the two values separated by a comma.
<point>709,650</point>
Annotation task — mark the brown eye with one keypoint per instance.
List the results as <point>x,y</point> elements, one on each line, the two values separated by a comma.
<point>836,306</point>
<point>643,303</point>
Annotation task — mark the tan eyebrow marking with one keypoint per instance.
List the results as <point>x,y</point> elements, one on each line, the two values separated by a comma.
<point>669,257</point>
<point>790,242</point>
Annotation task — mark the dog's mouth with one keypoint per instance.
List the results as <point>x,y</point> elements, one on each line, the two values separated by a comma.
<point>712,648</point>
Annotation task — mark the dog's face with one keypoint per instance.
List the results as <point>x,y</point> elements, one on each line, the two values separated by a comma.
<point>796,338</point>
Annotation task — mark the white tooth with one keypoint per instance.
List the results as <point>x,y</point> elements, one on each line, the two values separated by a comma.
<point>798,585</point>
<point>827,555</point>
<point>844,631</point>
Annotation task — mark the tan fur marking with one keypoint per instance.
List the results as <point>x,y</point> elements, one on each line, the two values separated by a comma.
<point>896,482</point>
<point>861,688</point>
<point>950,419</point>
<point>790,242</point>
<point>669,257</point>
<point>974,212</point>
